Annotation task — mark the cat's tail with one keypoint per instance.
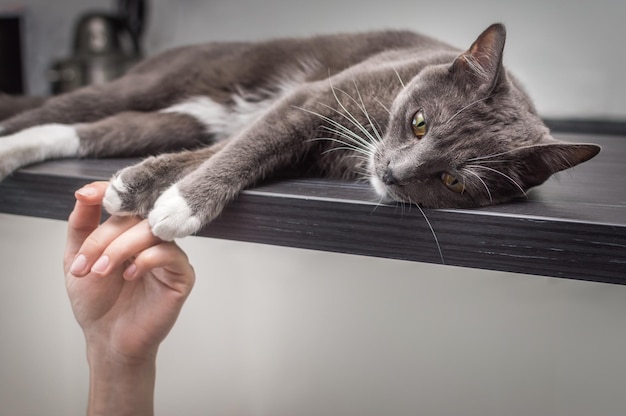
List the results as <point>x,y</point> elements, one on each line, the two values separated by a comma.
<point>11,105</point>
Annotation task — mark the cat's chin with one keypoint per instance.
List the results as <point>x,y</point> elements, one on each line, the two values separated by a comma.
<point>381,190</point>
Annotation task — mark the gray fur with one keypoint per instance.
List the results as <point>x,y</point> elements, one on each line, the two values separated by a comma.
<point>337,106</point>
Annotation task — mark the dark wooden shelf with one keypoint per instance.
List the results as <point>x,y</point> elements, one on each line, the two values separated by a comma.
<point>574,226</point>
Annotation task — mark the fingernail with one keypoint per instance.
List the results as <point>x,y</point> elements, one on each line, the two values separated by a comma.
<point>101,265</point>
<point>86,191</point>
<point>130,271</point>
<point>78,265</point>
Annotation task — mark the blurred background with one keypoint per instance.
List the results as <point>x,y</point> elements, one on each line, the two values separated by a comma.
<point>279,331</point>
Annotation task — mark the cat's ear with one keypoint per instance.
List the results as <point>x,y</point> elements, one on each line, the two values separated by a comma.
<point>537,163</point>
<point>481,65</point>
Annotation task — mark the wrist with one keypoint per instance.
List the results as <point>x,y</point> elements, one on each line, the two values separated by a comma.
<point>105,355</point>
<point>120,385</point>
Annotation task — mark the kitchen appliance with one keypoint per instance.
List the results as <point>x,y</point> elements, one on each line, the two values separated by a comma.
<point>105,46</point>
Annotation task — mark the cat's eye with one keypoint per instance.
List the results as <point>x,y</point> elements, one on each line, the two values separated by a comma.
<point>452,183</point>
<point>418,124</point>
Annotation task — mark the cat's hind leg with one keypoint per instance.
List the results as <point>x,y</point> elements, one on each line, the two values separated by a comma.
<point>122,135</point>
<point>36,144</point>
<point>11,105</point>
<point>136,92</point>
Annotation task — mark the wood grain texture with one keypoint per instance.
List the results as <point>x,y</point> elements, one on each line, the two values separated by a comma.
<point>574,226</point>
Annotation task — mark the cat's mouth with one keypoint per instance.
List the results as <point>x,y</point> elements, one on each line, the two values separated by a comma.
<point>386,193</point>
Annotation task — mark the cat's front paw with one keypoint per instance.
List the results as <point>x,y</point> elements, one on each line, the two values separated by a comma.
<point>172,217</point>
<point>116,197</point>
<point>133,190</point>
<point>122,198</point>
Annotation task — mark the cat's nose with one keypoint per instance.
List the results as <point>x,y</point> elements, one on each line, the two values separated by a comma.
<point>389,178</point>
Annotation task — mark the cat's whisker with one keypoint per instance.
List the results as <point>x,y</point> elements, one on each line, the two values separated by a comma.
<point>378,204</point>
<point>335,149</point>
<point>354,122</point>
<point>432,231</point>
<point>398,75</point>
<point>497,161</point>
<point>360,159</point>
<point>373,139</point>
<point>331,121</point>
<point>361,106</point>
<point>369,141</point>
<point>466,107</point>
<point>517,149</point>
<point>380,129</point>
<point>351,116</point>
<point>382,105</point>
<point>344,131</point>
<point>363,174</point>
<point>364,152</point>
<point>481,181</point>
<point>344,146</point>
<point>502,174</point>
<point>364,109</point>
<point>356,138</point>
<point>401,203</point>
<point>357,143</point>
<point>350,97</point>
<point>483,158</point>
<point>334,90</point>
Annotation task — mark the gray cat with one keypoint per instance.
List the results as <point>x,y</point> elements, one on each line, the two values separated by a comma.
<point>422,121</point>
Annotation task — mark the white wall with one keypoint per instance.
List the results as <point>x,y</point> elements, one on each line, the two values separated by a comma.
<point>293,332</point>
<point>274,331</point>
<point>568,55</point>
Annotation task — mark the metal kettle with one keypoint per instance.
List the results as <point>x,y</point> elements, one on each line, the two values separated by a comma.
<point>105,46</point>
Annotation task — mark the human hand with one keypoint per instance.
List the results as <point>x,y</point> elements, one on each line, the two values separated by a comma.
<point>126,286</point>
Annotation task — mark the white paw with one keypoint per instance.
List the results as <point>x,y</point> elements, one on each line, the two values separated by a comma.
<point>35,144</point>
<point>112,201</point>
<point>171,217</point>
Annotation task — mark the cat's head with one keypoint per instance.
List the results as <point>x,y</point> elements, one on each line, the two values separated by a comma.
<point>465,135</point>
